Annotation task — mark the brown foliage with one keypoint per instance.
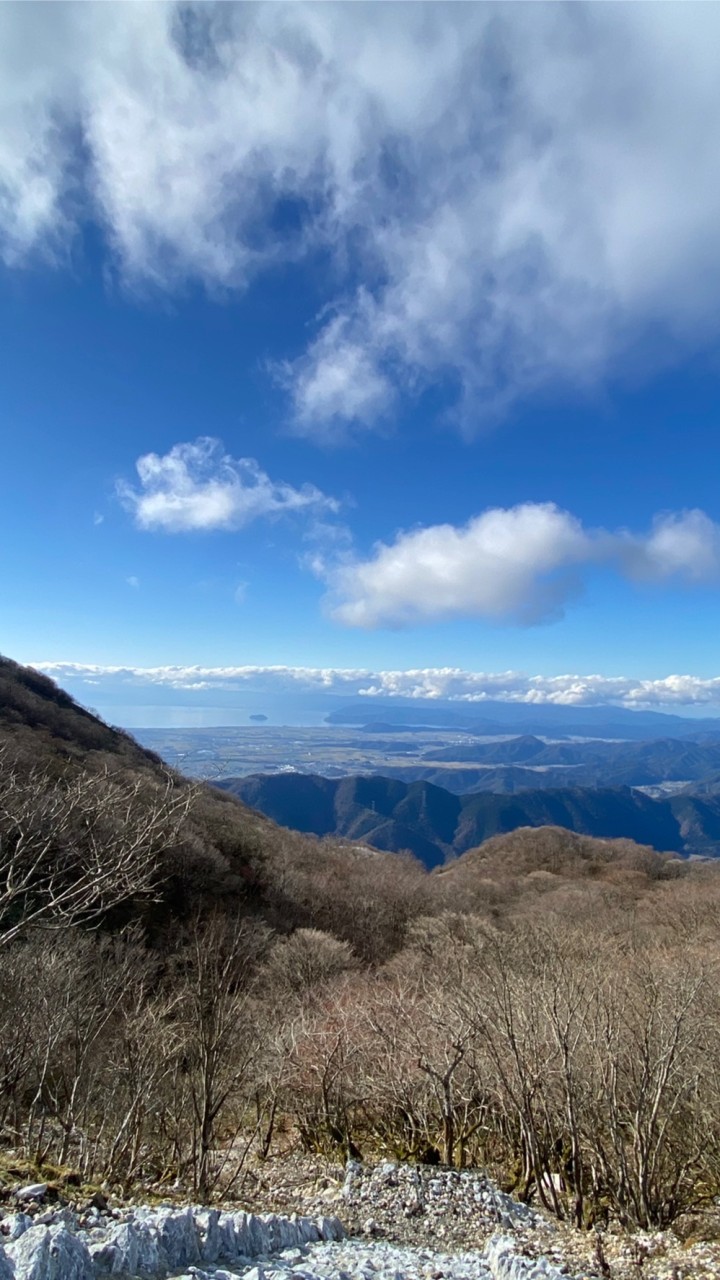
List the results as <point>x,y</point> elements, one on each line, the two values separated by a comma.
<point>546,1005</point>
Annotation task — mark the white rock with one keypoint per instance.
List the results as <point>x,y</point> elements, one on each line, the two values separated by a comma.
<point>227,1230</point>
<point>33,1191</point>
<point>331,1228</point>
<point>291,1257</point>
<point>251,1234</point>
<point>117,1253</point>
<point>6,1267</point>
<point>255,1273</point>
<point>50,1253</point>
<point>177,1237</point>
<point>17,1224</point>
<point>278,1233</point>
<point>129,1248</point>
<point>305,1230</point>
<point>506,1264</point>
<point>207,1222</point>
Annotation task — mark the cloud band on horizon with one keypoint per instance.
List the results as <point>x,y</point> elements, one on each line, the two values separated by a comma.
<point>451,683</point>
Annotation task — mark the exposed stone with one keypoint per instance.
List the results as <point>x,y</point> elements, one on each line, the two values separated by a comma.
<point>207,1222</point>
<point>130,1248</point>
<point>50,1253</point>
<point>330,1228</point>
<point>6,1267</point>
<point>229,1245</point>
<point>16,1225</point>
<point>485,1234</point>
<point>251,1238</point>
<point>178,1237</point>
<point>507,1264</point>
<point>33,1191</point>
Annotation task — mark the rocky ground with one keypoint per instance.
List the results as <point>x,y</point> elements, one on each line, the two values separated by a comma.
<point>317,1221</point>
<point>455,1211</point>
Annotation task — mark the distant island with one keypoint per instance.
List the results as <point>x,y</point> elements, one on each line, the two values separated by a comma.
<point>260,719</point>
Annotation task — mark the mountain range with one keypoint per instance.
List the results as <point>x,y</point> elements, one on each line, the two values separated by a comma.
<point>529,763</point>
<point>434,824</point>
<point>232,858</point>
<point>235,846</point>
<point>490,717</point>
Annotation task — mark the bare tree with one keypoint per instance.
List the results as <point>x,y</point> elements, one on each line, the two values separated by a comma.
<point>75,846</point>
<point>220,1041</point>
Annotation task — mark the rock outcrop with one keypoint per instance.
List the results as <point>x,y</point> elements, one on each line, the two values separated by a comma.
<point>150,1244</point>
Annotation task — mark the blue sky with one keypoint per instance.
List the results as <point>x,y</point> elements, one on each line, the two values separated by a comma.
<point>376,339</point>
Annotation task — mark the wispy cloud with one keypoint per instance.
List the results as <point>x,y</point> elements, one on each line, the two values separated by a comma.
<point>520,190</point>
<point>450,683</point>
<point>514,565</point>
<point>337,385</point>
<point>197,487</point>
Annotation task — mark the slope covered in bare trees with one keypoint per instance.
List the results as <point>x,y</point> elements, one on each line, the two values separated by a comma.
<point>187,989</point>
<point>93,827</point>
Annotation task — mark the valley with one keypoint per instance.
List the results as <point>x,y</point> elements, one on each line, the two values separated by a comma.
<point>458,760</point>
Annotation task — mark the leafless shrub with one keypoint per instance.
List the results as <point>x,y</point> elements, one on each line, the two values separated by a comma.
<point>75,846</point>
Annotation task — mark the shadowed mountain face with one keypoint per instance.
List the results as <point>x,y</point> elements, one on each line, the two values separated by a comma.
<point>610,763</point>
<point>527,763</point>
<point>435,824</point>
<point>376,811</point>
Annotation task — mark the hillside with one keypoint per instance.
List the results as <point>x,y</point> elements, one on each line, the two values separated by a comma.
<point>435,824</point>
<point>213,852</point>
<point>294,990</point>
<point>548,871</point>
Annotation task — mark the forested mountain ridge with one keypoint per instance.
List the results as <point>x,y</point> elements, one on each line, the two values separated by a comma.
<point>436,824</point>
<point>596,762</point>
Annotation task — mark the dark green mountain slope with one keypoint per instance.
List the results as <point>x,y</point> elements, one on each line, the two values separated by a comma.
<point>434,824</point>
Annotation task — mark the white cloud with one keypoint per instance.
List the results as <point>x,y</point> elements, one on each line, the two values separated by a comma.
<point>337,384</point>
<point>520,564</point>
<point>685,544</point>
<point>450,683</point>
<point>197,487</point>
<point>520,190</point>
<point>503,565</point>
